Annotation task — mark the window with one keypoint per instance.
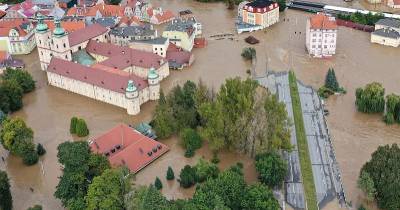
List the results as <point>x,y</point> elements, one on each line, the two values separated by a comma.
<point>64,45</point>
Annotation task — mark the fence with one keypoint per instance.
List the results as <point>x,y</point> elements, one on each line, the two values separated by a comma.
<point>356,26</point>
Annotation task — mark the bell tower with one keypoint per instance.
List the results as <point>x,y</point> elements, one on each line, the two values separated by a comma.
<point>154,84</point>
<point>132,99</point>
<point>42,38</point>
<point>60,42</point>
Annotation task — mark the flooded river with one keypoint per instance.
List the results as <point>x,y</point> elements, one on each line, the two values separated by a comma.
<point>48,110</point>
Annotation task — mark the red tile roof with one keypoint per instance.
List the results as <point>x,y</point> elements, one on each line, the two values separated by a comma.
<point>107,78</point>
<point>131,148</point>
<point>105,9</point>
<point>396,2</point>
<point>2,14</point>
<point>123,57</point>
<point>322,21</point>
<point>86,34</point>
<point>69,26</point>
<point>165,16</point>
<point>4,55</point>
<point>7,25</point>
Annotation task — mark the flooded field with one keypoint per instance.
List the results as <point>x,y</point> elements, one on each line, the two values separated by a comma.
<point>48,110</point>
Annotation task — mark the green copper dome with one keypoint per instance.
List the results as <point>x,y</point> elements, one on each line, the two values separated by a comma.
<point>58,30</point>
<point>41,26</point>
<point>152,74</point>
<point>131,86</point>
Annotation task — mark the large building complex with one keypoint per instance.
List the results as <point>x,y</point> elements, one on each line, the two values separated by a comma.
<point>84,63</point>
<point>256,15</point>
<point>387,32</point>
<point>321,34</point>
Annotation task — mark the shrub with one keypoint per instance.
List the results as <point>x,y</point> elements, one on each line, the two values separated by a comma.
<point>248,53</point>
<point>215,159</point>
<point>170,174</point>
<point>72,126</point>
<point>35,207</point>
<point>187,177</point>
<point>205,170</point>
<point>40,149</point>
<point>371,99</point>
<point>30,158</point>
<point>191,141</point>
<point>158,184</point>
<point>81,128</point>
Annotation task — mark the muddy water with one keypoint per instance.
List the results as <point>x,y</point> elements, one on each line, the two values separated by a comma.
<point>48,110</point>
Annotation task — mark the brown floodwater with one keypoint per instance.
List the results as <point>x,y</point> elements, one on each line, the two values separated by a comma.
<point>47,110</point>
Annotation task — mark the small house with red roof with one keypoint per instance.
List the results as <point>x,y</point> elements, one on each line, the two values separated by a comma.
<point>17,36</point>
<point>124,146</point>
<point>321,35</point>
<point>160,16</point>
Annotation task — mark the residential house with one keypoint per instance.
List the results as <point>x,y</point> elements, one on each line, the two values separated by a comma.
<point>6,61</point>
<point>182,33</point>
<point>387,32</point>
<point>125,146</point>
<point>17,36</point>
<point>123,35</point>
<point>160,16</point>
<point>157,45</point>
<point>321,35</point>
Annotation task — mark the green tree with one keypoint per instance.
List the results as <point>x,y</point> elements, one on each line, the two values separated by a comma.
<point>371,99</point>
<point>384,170</point>
<point>163,122</point>
<point>40,149</point>
<point>35,207</point>
<point>205,170</point>
<point>158,184</point>
<point>5,193</point>
<point>187,177</point>
<point>366,184</point>
<point>23,78</point>
<point>331,81</point>
<point>12,93</point>
<point>282,5</point>
<point>146,198</point>
<point>3,116</point>
<point>107,191</point>
<point>170,174</point>
<point>81,128</point>
<point>272,169</point>
<point>259,197</point>
<point>392,114</point>
<point>248,53</point>
<point>72,126</point>
<point>229,186</point>
<point>80,166</point>
<point>17,138</point>
<point>190,140</point>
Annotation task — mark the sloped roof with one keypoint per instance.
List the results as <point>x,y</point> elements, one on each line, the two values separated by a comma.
<point>389,22</point>
<point>105,9</point>
<point>69,26</point>
<point>323,21</point>
<point>123,57</point>
<point>125,146</point>
<point>389,33</point>
<point>165,16</point>
<point>110,79</point>
<point>18,24</point>
<point>86,34</point>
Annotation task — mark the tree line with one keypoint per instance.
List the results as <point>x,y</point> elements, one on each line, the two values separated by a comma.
<point>241,116</point>
<point>364,19</point>
<point>371,99</point>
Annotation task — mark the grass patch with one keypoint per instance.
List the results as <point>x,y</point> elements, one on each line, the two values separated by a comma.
<point>305,162</point>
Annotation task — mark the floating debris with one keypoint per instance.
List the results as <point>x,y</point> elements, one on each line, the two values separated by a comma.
<point>252,40</point>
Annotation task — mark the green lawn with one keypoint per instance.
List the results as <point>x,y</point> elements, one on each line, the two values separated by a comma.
<point>305,163</point>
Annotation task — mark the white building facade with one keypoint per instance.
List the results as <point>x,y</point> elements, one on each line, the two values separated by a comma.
<point>321,35</point>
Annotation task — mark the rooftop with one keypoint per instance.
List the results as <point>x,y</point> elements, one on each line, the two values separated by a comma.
<point>260,3</point>
<point>86,34</point>
<point>107,78</point>
<point>158,40</point>
<point>145,30</point>
<point>323,21</point>
<point>389,22</point>
<point>108,22</point>
<point>125,146</point>
<point>69,26</point>
<point>18,24</point>
<point>390,33</point>
<point>123,57</point>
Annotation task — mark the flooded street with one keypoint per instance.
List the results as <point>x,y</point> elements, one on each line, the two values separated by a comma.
<point>355,136</point>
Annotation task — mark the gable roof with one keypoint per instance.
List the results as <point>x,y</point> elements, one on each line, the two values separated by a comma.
<point>123,57</point>
<point>107,78</point>
<point>86,34</point>
<point>104,9</point>
<point>18,24</point>
<point>165,16</point>
<point>389,22</point>
<point>125,146</point>
<point>69,26</point>
<point>323,21</point>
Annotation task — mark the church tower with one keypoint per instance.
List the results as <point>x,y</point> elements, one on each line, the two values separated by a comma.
<point>132,99</point>
<point>42,38</point>
<point>60,42</point>
<point>154,84</point>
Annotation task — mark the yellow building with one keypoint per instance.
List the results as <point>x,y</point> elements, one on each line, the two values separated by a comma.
<point>262,13</point>
<point>182,32</point>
